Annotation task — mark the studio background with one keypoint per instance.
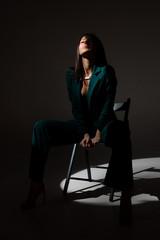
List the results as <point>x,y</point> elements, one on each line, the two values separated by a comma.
<point>38,44</point>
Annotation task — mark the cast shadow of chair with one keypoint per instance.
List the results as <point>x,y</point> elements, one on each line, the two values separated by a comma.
<point>142,186</point>
<point>148,185</point>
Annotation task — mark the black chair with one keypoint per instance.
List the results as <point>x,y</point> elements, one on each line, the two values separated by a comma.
<point>121,106</point>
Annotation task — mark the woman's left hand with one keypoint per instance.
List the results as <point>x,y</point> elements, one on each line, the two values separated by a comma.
<point>95,141</point>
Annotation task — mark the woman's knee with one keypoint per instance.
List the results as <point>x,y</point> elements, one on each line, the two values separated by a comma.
<point>40,137</point>
<point>40,124</point>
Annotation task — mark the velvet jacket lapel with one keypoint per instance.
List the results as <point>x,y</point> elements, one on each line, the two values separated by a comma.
<point>93,81</point>
<point>77,92</point>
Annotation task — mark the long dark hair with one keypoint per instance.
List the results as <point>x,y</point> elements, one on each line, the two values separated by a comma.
<point>100,57</point>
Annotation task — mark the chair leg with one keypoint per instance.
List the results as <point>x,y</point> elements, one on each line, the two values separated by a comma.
<point>69,169</point>
<point>111,194</point>
<point>88,166</point>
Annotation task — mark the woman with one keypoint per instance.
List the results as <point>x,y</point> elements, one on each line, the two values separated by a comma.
<point>91,87</point>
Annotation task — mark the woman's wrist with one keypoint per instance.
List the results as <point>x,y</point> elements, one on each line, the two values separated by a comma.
<point>98,134</point>
<point>86,135</point>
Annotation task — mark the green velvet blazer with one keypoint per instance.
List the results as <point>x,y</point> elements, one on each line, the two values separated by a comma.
<point>100,98</point>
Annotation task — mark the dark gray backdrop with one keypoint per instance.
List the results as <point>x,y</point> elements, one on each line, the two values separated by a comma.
<point>38,43</point>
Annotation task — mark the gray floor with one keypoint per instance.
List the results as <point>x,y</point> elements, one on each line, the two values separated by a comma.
<point>86,214</point>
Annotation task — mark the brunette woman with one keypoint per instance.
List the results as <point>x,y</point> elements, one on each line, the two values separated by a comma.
<point>91,85</point>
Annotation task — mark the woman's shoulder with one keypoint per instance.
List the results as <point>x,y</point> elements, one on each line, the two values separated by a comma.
<point>70,71</point>
<point>107,69</point>
<point>109,74</point>
<point>70,74</point>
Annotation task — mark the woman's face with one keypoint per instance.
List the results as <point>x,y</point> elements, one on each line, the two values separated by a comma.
<point>86,46</point>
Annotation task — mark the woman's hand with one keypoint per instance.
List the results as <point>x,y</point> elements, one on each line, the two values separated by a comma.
<point>86,141</point>
<point>95,141</point>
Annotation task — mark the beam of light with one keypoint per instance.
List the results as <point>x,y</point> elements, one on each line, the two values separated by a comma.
<point>146,173</point>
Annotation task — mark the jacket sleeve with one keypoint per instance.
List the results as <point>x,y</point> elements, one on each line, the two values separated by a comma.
<point>107,113</point>
<point>76,107</point>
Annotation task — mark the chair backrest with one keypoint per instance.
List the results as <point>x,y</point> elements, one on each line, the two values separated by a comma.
<point>123,106</point>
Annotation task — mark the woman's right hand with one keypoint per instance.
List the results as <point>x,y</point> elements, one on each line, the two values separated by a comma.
<point>86,141</point>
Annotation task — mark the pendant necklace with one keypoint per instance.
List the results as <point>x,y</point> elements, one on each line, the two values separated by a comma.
<point>87,78</point>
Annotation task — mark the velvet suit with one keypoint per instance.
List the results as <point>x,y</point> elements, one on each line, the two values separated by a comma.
<point>114,133</point>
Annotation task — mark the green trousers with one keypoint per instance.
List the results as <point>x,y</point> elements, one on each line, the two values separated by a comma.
<point>48,133</point>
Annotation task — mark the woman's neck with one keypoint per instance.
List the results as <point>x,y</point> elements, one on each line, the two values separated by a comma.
<point>87,66</point>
